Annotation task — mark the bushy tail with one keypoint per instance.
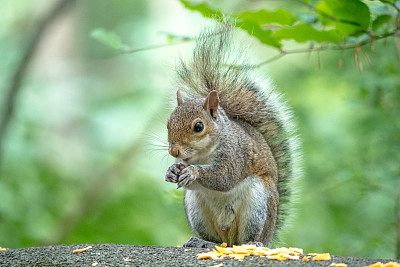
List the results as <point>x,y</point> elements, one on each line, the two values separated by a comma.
<point>217,65</point>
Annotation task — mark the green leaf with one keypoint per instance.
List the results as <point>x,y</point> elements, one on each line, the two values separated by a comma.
<point>108,38</point>
<point>387,1</point>
<point>304,32</point>
<point>251,27</point>
<point>264,36</point>
<point>379,21</point>
<point>348,16</point>
<point>203,8</point>
<point>263,16</point>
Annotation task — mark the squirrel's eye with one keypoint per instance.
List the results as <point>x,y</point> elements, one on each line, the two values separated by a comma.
<point>198,127</point>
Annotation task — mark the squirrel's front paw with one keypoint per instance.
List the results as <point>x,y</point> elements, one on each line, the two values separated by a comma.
<point>187,176</point>
<point>173,172</point>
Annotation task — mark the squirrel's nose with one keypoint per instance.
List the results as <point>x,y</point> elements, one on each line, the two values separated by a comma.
<point>174,151</point>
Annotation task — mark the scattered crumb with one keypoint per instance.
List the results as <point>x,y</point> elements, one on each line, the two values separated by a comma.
<point>378,264</point>
<point>1,249</point>
<point>389,264</point>
<point>278,257</point>
<point>127,259</point>
<point>208,255</point>
<point>298,250</point>
<point>280,254</point>
<point>82,249</point>
<point>239,257</point>
<point>240,252</point>
<point>95,263</point>
<point>322,257</point>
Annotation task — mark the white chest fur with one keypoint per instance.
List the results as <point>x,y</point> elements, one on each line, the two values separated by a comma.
<point>218,213</point>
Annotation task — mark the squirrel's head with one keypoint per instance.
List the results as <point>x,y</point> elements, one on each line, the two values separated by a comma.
<point>191,128</point>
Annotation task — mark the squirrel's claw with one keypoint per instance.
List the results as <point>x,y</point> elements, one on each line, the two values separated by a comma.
<point>173,173</point>
<point>187,176</point>
<point>196,242</point>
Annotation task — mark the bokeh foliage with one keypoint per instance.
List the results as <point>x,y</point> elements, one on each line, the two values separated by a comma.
<point>79,164</point>
<point>330,21</point>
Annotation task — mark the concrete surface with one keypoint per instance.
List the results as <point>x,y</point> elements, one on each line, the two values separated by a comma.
<point>114,255</point>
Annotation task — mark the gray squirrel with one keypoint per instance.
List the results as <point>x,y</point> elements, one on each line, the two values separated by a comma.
<point>235,146</point>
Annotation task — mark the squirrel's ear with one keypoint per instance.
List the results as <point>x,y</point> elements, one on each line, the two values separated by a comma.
<point>211,104</point>
<point>179,97</point>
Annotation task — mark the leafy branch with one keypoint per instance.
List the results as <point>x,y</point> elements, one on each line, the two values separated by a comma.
<point>338,25</point>
<point>355,46</point>
<point>115,42</point>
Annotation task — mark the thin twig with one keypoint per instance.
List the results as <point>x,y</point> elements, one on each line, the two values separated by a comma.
<point>15,85</point>
<point>134,50</point>
<point>184,39</point>
<point>322,48</point>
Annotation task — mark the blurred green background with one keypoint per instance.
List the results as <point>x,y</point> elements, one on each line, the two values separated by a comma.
<point>80,161</point>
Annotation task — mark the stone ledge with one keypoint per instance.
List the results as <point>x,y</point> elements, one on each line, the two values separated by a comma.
<point>114,255</point>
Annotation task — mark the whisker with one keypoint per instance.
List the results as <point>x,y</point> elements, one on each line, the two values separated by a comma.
<point>158,145</point>
<point>165,158</point>
<point>159,139</point>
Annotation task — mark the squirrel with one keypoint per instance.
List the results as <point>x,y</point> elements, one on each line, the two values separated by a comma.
<point>235,146</point>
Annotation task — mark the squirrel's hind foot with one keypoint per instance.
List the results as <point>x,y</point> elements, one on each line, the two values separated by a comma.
<point>258,244</point>
<point>195,242</point>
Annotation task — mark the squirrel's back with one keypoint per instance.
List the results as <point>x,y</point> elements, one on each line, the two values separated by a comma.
<point>218,65</point>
